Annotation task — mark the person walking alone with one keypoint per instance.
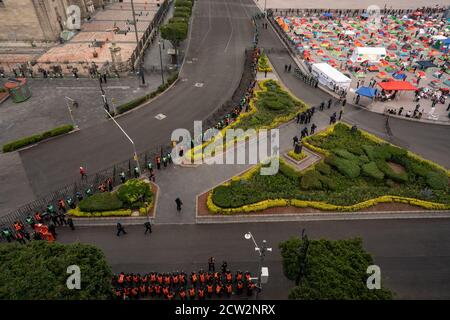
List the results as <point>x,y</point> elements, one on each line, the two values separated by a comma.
<point>120,229</point>
<point>148,227</point>
<point>179,203</point>
<point>211,264</point>
<point>83,173</point>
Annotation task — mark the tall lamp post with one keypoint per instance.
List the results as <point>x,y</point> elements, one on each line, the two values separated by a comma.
<point>138,49</point>
<point>135,157</point>
<point>262,272</point>
<point>161,62</point>
<point>73,102</point>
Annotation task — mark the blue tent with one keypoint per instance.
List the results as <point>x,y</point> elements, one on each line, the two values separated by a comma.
<point>366,92</point>
<point>328,15</point>
<point>398,76</point>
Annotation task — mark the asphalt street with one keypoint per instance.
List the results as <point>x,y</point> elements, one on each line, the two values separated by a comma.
<point>220,33</point>
<point>414,255</point>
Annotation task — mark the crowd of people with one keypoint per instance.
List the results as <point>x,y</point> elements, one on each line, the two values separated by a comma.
<point>199,285</point>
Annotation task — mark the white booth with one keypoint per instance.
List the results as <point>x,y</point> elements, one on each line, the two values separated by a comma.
<point>329,76</point>
<point>371,54</point>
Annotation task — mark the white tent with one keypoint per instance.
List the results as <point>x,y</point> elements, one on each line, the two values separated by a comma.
<point>329,76</point>
<point>372,54</point>
<point>439,37</point>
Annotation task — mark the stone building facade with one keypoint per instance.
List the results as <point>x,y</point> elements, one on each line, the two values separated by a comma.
<point>39,20</point>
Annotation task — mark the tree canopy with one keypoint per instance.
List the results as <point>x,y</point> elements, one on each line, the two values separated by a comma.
<point>334,270</point>
<point>38,271</point>
<point>175,32</point>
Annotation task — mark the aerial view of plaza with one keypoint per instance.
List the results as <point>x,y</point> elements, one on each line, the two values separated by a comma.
<point>225,151</point>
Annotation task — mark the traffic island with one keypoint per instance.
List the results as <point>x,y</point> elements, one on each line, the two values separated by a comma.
<point>359,173</point>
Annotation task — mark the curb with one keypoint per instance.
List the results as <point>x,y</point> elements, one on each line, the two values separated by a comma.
<point>326,216</point>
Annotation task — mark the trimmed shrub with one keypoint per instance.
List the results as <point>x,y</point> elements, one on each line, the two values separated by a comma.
<point>183,3</point>
<point>134,191</point>
<point>345,154</point>
<point>181,14</point>
<point>311,180</point>
<point>346,167</point>
<point>437,180</point>
<point>328,183</point>
<point>323,168</point>
<point>223,196</point>
<point>103,201</point>
<point>14,145</point>
<point>364,159</point>
<point>371,170</point>
<point>289,171</point>
<point>187,10</point>
<point>178,20</point>
<point>370,151</point>
<point>387,170</point>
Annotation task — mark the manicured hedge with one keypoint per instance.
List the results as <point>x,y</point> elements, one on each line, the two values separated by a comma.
<point>134,190</point>
<point>296,156</point>
<point>14,145</point>
<point>338,183</point>
<point>103,201</point>
<point>183,3</point>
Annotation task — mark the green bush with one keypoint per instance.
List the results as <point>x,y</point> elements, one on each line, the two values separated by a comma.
<point>323,168</point>
<point>186,10</point>
<point>103,201</point>
<point>178,20</point>
<point>181,14</point>
<point>328,183</point>
<point>346,167</point>
<point>183,3</point>
<point>311,181</point>
<point>364,159</point>
<point>345,154</point>
<point>289,171</point>
<point>223,196</point>
<point>391,174</point>
<point>38,271</point>
<point>371,170</point>
<point>134,190</point>
<point>437,180</point>
<point>14,145</point>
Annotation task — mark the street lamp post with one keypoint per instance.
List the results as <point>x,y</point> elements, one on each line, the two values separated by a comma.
<point>138,49</point>
<point>161,62</point>
<point>135,157</point>
<point>262,253</point>
<point>70,111</point>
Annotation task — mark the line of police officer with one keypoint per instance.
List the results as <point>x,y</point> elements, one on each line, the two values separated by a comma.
<point>178,285</point>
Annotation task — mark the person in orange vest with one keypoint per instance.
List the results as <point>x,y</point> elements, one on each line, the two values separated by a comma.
<point>201,277</point>
<point>219,288</point>
<point>239,276</point>
<point>151,290</point>
<point>62,205</point>
<point>208,277</point>
<point>136,278</point>
<point>170,295</point>
<point>128,279</point>
<point>229,289</point>
<point>166,278</point>
<point>209,289</point>
<point>182,278</point>
<point>38,217</point>
<point>194,278</point>
<point>165,290</point>
<point>228,276</point>
<point>134,292</point>
<point>240,287</point>
<point>143,290</point>
<point>201,293</point>
<point>18,226</point>
<point>117,294</point>
<point>175,279</point>
<point>144,278</point>
<point>250,288</point>
<point>160,278</point>
<point>152,277</point>
<point>126,291</point>
<point>158,290</point>
<point>158,162</point>
<point>121,279</point>
<point>191,292</point>
<point>182,293</point>
<point>216,276</point>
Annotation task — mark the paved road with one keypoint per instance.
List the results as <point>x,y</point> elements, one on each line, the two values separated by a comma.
<point>221,32</point>
<point>413,255</point>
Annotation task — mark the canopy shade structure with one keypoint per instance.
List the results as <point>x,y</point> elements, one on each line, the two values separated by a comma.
<point>371,54</point>
<point>426,64</point>
<point>397,86</point>
<point>366,92</point>
<point>329,76</point>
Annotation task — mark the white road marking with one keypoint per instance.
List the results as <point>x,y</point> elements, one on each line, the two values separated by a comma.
<point>160,116</point>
